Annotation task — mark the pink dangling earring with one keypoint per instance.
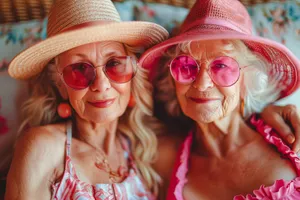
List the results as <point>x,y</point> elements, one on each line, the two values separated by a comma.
<point>64,110</point>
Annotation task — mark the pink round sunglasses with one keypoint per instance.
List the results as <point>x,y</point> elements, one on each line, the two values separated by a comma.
<point>224,71</point>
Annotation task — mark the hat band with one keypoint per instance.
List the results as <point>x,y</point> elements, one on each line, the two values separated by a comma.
<point>219,22</point>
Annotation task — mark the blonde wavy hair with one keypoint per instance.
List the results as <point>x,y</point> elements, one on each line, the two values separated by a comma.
<point>258,88</point>
<point>137,123</point>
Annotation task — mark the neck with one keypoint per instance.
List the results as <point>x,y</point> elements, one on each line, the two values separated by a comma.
<point>220,137</point>
<point>99,136</point>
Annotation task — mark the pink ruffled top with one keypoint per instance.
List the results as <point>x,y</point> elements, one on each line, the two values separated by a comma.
<point>287,190</point>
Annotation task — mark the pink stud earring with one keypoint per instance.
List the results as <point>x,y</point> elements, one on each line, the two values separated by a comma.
<point>64,110</point>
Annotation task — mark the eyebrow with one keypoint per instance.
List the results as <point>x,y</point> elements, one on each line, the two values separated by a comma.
<point>81,55</point>
<point>112,53</point>
<point>211,56</point>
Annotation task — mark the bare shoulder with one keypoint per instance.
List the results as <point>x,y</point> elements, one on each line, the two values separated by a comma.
<point>169,142</point>
<point>39,153</point>
<point>168,146</point>
<point>42,139</point>
<point>44,143</point>
<point>50,132</point>
<point>167,151</point>
<point>42,147</point>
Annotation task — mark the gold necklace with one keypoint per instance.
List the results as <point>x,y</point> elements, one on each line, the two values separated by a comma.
<point>102,164</point>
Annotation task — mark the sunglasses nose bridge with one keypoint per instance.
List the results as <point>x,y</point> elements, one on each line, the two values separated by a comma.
<point>100,72</point>
<point>203,79</point>
<point>101,81</point>
<point>100,69</point>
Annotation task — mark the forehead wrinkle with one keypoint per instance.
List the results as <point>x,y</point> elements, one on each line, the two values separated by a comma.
<point>203,56</point>
<point>107,50</point>
<point>207,56</point>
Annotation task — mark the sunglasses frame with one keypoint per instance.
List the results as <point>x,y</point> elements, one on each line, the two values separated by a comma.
<point>103,69</point>
<point>208,70</point>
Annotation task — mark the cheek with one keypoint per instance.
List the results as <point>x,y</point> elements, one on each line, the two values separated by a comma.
<point>76,98</point>
<point>124,93</point>
<point>181,91</point>
<point>231,99</point>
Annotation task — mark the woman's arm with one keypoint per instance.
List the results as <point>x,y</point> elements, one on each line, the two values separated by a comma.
<point>286,121</point>
<point>32,170</point>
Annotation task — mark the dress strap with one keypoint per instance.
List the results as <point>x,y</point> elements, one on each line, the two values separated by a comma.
<point>69,138</point>
<point>181,167</point>
<point>60,188</point>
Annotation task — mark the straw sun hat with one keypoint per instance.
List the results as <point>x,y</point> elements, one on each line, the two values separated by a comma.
<point>229,19</point>
<point>72,23</point>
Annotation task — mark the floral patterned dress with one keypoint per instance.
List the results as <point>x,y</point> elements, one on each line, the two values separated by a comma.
<point>70,187</point>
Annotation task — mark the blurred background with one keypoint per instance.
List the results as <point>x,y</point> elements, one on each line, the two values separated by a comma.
<point>23,23</point>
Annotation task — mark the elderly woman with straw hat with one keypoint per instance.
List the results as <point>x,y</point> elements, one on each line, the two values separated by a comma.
<point>105,150</point>
<point>213,76</point>
<point>86,140</point>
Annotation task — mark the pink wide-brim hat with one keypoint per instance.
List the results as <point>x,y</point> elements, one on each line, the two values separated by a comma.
<point>228,19</point>
<point>72,23</point>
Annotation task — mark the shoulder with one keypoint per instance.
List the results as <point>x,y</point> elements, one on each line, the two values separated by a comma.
<point>47,137</point>
<point>169,142</point>
<point>42,146</point>
<point>168,146</point>
<point>38,156</point>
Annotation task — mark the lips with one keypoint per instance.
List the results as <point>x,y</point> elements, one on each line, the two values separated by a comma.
<point>203,100</point>
<point>102,103</point>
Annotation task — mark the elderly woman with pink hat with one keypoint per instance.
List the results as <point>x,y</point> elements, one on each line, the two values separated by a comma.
<point>87,68</point>
<point>86,139</point>
<point>214,75</point>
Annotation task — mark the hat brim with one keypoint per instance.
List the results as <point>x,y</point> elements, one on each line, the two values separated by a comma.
<point>284,63</point>
<point>32,60</point>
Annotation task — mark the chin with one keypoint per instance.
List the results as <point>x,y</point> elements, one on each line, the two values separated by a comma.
<point>102,116</point>
<point>204,115</point>
<point>206,119</point>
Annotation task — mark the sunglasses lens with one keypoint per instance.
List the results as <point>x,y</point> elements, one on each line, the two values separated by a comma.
<point>79,75</point>
<point>120,69</point>
<point>184,69</point>
<point>224,71</point>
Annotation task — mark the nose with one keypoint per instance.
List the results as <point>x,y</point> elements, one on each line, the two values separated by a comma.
<point>101,82</point>
<point>203,80</point>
